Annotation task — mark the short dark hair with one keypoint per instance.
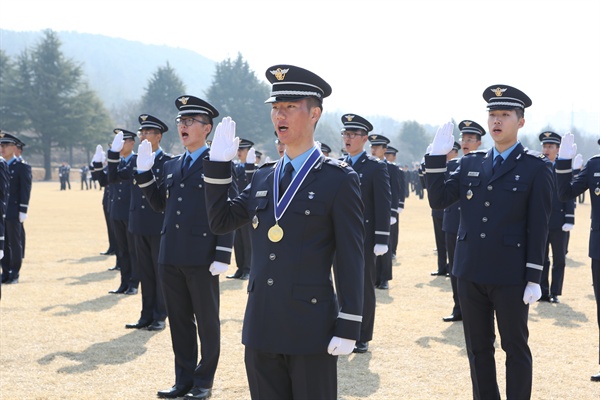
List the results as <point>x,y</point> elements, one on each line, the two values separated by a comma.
<point>520,112</point>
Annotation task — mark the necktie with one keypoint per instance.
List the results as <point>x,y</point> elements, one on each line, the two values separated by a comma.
<point>186,165</point>
<point>286,179</point>
<point>497,163</point>
<point>349,162</point>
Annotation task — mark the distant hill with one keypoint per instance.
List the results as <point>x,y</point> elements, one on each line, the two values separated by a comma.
<point>118,69</point>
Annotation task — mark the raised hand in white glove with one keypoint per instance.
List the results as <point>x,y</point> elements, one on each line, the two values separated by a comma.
<point>578,161</point>
<point>380,249</point>
<point>340,347</point>
<point>224,145</point>
<point>218,267</point>
<point>1,254</point>
<point>393,220</point>
<point>400,211</point>
<point>532,293</point>
<point>22,217</point>
<point>145,158</point>
<point>429,147</point>
<point>567,227</point>
<point>251,157</point>
<point>117,144</point>
<point>98,155</point>
<point>443,140</point>
<point>568,148</point>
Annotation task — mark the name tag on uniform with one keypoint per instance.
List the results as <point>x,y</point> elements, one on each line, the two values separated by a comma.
<point>261,193</point>
<point>473,173</point>
<point>169,176</point>
<point>596,174</point>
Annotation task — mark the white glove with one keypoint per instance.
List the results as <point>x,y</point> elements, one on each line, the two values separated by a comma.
<point>340,347</point>
<point>224,145</point>
<point>443,140</point>
<point>533,292</point>
<point>218,267</point>
<point>393,220</point>
<point>400,211</point>
<point>1,254</point>
<point>380,249</point>
<point>98,155</point>
<point>145,158</point>
<point>117,144</point>
<point>568,148</point>
<point>428,149</point>
<point>578,161</point>
<point>22,217</point>
<point>567,227</point>
<point>251,157</point>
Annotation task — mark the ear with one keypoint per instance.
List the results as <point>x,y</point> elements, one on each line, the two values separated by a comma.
<point>521,122</point>
<point>315,114</point>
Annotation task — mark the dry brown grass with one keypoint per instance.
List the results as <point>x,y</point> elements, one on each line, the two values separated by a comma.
<point>62,335</point>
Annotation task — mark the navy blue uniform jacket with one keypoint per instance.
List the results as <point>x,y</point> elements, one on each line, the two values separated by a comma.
<point>292,307</point>
<point>120,174</point>
<point>503,220</point>
<point>19,190</point>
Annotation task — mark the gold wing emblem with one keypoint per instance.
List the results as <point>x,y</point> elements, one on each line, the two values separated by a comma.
<point>280,73</point>
<point>498,91</point>
<point>183,100</point>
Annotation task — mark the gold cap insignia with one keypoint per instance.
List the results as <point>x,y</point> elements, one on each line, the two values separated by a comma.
<point>118,131</point>
<point>143,117</point>
<point>373,137</point>
<point>498,91</point>
<point>280,73</point>
<point>349,118</point>
<point>183,100</point>
<point>1,135</point>
<point>467,123</point>
<point>547,134</point>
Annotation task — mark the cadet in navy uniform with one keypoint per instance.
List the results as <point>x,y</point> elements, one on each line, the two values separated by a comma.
<point>569,187</point>
<point>242,245</point>
<point>295,324</point>
<point>325,149</point>
<point>562,220</point>
<point>145,225</point>
<point>19,192</point>
<point>191,257</point>
<point>121,164</point>
<point>376,196</point>
<point>471,133</point>
<point>4,188</point>
<point>383,263</point>
<point>505,200</point>
<point>99,173</point>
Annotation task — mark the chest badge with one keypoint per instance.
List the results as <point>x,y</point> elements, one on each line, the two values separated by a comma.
<point>597,191</point>
<point>255,222</point>
<point>311,195</point>
<point>469,194</point>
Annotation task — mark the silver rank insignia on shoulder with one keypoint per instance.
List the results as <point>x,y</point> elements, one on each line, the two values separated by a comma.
<point>311,195</point>
<point>255,222</point>
<point>517,177</point>
<point>261,193</point>
<point>469,194</point>
<point>597,191</point>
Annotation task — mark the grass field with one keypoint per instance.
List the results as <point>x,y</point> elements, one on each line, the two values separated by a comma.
<point>62,335</point>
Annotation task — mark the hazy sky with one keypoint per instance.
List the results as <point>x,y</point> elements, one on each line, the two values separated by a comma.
<point>414,59</point>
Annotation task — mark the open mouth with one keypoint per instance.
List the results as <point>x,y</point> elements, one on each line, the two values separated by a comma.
<point>184,135</point>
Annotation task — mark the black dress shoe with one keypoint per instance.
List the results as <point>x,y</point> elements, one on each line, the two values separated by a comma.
<point>175,392</point>
<point>12,281</point>
<point>245,276</point>
<point>384,285</point>
<point>108,253</point>
<point>131,291</point>
<point>156,326</point>
<point>452,318</point>
<point>361,347</point>
<point>198,393</point>
<point>115,268</point>
<point>544,297</point>
<point>139,325</point>
<point>595,378</point>
<point>237,275</point>
<point>122,289</point>
<point>554,299</point>
<point>439,273</point>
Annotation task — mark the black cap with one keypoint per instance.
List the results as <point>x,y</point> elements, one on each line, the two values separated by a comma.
<point>188,105</point>
<point>126,134</point>
<point>325,148</point>
<point>378,140</point>
<point>150,121</point>
<point>258,153</point>
<point>473,127</point>
<point>291,83</point>
<point>391,150</point>
<point>8,138</point>
<point>353,122</point>
<point>456,146</point>
<point>550,137</point>
<point>504,97</point>
<point>245,144</point>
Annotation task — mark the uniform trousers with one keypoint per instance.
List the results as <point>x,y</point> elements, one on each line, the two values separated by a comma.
<point>13,249</point>
<point>557,239</point>
<point>596,283</point>
<point>478,303</point>
<point>451,247</point>
<point>192,300</point>
<point>383,266</point>
<point>292,377</point>
<point>440,244</point>
<point>125,253</point>
<point>242,246</point>
<point>112,247</point>
<point>394,234</point>
<point>153,300</point>
<point>368,316</point>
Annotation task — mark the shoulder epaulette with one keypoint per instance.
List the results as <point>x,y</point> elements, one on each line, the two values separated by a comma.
<point>268,164</point>
<point>595,156</point>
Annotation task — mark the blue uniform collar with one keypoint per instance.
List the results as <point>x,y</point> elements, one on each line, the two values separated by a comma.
<point>356,157</point>
<point>126,159</point>
<point>506,153</point>
<point>296,162</point>
<point>12,160</point>
<point>196,154</point>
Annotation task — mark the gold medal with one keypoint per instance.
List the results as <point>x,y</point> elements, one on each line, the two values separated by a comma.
<point>597,191</point>
<point>275,233</point>
<point>255,222</point>
<point>469,194</point>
